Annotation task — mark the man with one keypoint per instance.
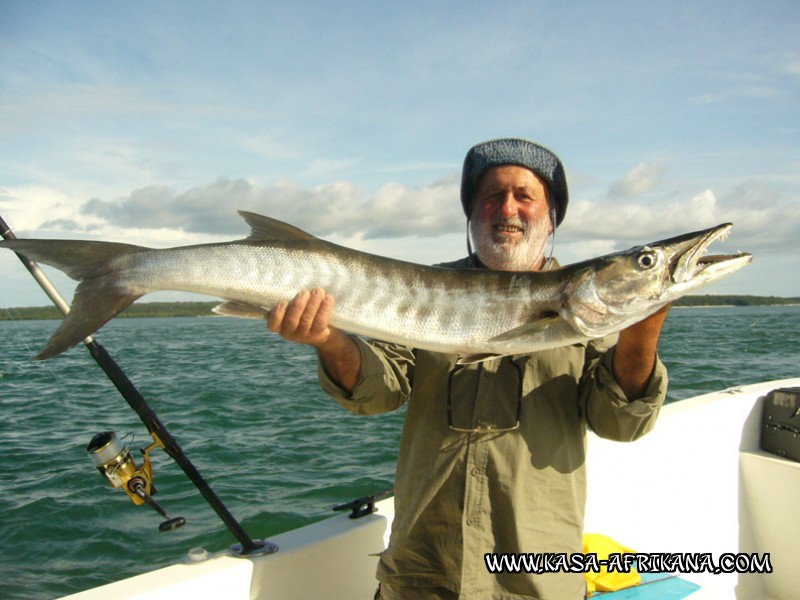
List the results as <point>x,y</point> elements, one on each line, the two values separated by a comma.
<point>492,454</point>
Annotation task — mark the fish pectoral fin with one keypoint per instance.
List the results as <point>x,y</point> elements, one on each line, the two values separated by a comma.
<point>471,359</point>
<point>533,327</point>
<point>243,310</point>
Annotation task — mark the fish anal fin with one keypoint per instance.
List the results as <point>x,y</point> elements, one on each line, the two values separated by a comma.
<point>471,359</point>
<point>530,328</point>
<point>242,310</point>
<point>267,229</point>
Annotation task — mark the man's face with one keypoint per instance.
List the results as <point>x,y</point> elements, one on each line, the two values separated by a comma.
<point>510,220</point>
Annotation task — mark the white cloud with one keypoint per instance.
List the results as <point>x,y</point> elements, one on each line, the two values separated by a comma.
<point>338,208</point>
<point>31,207</point>
<point>765,220</point>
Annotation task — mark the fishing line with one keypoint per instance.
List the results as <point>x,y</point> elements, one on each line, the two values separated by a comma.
<point>32,353</point>
<point>469,242</point>
<point>65,398</point>
<point>17,329</point>
<point>552,238</point>
<point>553,235</point>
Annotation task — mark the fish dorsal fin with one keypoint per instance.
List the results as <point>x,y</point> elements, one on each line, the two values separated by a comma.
<point>264,228</point>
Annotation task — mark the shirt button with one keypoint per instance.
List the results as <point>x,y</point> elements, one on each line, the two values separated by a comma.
<point>476,472</point>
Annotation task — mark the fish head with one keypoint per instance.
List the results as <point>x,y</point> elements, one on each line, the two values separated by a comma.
<point>620,289</point>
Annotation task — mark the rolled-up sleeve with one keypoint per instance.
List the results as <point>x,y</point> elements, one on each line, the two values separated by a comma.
<point>609,413</point>
<point>384,383</point>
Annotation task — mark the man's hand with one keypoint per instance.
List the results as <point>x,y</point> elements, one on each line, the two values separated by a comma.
<point>306,320</point>
<point>635,355</point>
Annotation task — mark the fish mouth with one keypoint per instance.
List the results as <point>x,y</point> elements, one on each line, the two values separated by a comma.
<point>690,263</point>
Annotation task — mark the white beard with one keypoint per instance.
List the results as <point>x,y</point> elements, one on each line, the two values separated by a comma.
<point>506,255</point>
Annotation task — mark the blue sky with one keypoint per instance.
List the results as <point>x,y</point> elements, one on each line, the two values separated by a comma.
<point>152,122</point>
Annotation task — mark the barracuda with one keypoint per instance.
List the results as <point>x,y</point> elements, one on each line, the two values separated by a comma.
<point>474,313</point>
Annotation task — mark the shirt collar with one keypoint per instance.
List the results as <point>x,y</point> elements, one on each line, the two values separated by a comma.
<point>550,263</point>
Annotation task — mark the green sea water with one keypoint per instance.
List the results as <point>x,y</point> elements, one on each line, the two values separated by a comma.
<point>246,408</point>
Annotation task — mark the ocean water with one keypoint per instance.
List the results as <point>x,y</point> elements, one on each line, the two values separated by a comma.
<point>246,408</point>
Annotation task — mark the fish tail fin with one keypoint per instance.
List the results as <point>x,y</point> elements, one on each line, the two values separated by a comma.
<point>99,295</point>
<point>78,259</point>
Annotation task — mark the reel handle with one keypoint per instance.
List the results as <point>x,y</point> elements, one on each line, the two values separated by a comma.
<point>138,487</point>
<point>172,524</point>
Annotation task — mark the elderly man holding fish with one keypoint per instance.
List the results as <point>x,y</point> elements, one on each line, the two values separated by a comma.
<point>504,358</point>
<point>492,455</point>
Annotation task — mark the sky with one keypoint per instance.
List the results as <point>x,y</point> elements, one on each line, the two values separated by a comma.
<point>153,122</point>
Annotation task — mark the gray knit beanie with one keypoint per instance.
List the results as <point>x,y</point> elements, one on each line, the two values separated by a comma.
<point>515,151</point>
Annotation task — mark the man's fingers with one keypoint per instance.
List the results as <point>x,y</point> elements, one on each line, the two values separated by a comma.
<point>304,319</point>
<point>309,315</point>
<point>323,316</point>
<point>294,313</point>
<point>276,315</point>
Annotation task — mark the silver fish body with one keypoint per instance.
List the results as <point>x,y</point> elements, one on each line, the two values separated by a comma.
<point>474,313</point>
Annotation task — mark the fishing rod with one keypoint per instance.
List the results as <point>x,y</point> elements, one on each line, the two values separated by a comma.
<point>115,461</point>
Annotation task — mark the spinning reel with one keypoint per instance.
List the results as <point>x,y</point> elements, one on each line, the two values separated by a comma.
<point>114,460</point>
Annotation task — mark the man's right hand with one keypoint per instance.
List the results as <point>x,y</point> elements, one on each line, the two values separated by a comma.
<point>306,320</point>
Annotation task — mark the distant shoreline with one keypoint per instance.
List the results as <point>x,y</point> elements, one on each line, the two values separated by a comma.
<point>203,309</point>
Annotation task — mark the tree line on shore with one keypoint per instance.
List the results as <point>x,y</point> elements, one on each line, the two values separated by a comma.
<point>203,309</point>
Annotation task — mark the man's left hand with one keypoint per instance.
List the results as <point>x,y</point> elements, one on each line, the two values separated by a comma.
<point>635,355</point>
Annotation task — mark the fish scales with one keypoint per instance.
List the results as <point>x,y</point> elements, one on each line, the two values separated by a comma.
<point>268,275</point>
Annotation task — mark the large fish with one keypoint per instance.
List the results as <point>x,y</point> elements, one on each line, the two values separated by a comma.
<point>474,313</point>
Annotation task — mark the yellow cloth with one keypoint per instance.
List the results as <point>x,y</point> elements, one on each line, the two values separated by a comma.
<point>602,580</point>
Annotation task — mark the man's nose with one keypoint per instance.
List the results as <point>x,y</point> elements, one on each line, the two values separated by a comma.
<point>508,206</point>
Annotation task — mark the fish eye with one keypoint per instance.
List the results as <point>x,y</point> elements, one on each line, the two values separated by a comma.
<point>647,260</point>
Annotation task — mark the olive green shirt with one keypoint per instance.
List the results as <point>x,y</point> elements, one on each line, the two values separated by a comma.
<point>461,495</point>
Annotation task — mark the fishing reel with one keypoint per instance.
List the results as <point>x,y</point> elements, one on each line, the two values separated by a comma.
<point>114,460</point>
